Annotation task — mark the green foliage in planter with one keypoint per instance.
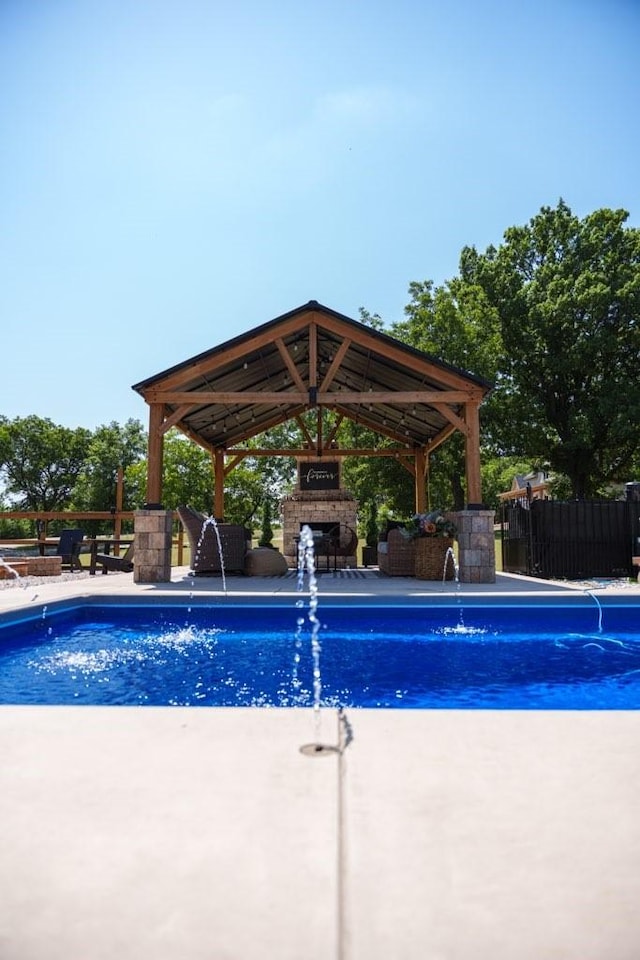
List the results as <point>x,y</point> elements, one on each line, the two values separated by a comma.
<point>266,534</point>
<point>371,523</point>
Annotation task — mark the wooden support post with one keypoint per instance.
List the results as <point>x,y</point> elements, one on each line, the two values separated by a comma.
<point>472,455</point>
<point>421,460</point>
<point>155,453</point>
<point>117,527</point>
<point>218,478</point>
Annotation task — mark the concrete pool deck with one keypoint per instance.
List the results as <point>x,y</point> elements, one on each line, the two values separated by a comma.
<point>185,834</point>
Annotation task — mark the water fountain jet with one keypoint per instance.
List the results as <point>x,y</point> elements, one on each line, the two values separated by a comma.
<point>212,522</point>
<point>7,566</point>
<point>451,557</point>
<point>306,566</point>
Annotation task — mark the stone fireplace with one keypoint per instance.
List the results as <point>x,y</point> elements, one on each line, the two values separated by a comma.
<point>319,502</point>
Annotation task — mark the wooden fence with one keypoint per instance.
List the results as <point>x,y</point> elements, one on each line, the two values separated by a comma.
<point>114,519</point>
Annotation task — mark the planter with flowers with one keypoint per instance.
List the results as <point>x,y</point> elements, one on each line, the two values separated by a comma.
<point>434,534</point>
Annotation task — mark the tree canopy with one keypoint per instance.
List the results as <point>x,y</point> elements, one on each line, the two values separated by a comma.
<point>110,447</point>
<point>552,317</point>
<point>41,462</point>
<point>567,294</point>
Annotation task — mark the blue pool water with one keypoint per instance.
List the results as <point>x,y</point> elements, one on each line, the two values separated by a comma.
<point>573,656</point>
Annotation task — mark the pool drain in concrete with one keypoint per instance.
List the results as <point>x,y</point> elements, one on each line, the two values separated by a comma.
<point>318,749</point>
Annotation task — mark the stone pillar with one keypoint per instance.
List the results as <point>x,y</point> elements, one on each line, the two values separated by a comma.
<point>152,555</point>
<point>476,546</point>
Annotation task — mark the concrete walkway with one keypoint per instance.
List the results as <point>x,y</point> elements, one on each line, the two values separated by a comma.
<point>181,834</point>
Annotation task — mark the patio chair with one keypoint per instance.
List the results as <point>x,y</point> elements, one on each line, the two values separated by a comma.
<point>109,562</point>
<point>341,542</point>
<point>397,555</point>
<point>347,542</point>
<point>235,540</point>
<point>69,549</point>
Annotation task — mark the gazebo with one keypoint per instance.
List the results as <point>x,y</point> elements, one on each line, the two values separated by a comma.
<point>314,358</point>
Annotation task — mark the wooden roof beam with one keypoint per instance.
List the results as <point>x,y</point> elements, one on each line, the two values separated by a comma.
<point>394,452</point>
<point>243,398</point>
<point>274,421</point>
<point>409,465</point>
<point>192,435</point>
<point>290,365</point>
<point>334,430</point>
<point>304,430</point>
<point>336,363</point>
<point>201,398</point>
<point>228,467</point>
<point>399,397</point>
<point>177,415</point>
<point>440,438</point>
<point>372,424</point>
<point>452,417</point>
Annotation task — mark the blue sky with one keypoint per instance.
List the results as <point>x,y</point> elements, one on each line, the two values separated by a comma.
<point>173,174</point>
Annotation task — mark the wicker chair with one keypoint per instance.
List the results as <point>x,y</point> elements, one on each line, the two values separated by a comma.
<point>203,542</point>
<point>399,558</point>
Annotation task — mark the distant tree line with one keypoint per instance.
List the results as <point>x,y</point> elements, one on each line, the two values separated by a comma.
<point>551,317</point>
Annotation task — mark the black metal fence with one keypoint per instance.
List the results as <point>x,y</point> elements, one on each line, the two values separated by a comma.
<point>570,539</point>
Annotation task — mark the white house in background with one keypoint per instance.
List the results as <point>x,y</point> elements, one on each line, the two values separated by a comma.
<point>537,481</point>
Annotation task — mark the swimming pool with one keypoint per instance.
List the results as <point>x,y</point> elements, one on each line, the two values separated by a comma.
<point>578,655</point>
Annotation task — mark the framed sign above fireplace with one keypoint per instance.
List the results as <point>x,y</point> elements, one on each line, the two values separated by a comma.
<point>319,475</point>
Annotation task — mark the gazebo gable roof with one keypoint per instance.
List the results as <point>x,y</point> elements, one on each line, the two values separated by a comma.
<point>312,357</point>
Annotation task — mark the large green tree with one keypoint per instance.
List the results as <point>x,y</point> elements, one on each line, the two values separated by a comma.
<point>111,446</point>
<point>187,476</point>
<point>40,462</point>
<point>567,293</point>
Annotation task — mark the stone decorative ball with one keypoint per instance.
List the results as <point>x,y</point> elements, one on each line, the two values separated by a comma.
<point>265,562</point>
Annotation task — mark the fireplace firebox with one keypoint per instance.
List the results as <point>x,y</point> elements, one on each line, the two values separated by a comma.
<point>319,529</point>
<point>325,512</point>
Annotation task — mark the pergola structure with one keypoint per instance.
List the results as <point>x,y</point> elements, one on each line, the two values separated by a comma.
<point>314,358</point>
